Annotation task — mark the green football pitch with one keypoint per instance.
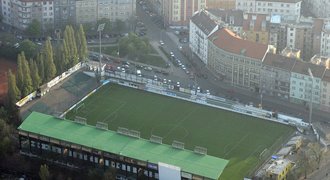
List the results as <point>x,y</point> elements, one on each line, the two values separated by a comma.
<point>238,138</point>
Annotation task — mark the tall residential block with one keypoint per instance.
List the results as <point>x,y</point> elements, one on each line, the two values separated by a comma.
<point>236,60</point>
<point>177,13</point>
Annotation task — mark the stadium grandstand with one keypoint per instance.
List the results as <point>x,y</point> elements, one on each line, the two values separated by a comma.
<point>75,144</point>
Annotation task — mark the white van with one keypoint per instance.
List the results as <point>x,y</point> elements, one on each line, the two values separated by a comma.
<point>138,73</point>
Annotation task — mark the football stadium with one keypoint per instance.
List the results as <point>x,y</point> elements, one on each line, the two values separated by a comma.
<point>145,135</point>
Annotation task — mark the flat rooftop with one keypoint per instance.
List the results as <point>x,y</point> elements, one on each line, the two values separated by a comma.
<point>110,141</point>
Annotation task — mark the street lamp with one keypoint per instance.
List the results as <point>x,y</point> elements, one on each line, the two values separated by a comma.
<point>100,28</point>
<point>261,100</point>
<point>118,54</point>
<point>311,97</point>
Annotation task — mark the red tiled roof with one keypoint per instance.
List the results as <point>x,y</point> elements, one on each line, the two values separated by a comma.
<point>302,67</point>
<point>228,41</point>
<point>279,61</point>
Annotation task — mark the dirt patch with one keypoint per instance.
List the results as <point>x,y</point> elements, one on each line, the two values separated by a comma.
<point>5,65</point>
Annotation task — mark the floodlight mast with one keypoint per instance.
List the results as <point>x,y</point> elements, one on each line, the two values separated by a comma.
<point>100,28</point>
<point>311,98</point>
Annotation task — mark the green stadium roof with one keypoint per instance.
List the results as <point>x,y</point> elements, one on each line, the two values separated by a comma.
<point>110,141</point>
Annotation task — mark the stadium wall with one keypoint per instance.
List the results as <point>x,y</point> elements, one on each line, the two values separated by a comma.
<point>45,87</point>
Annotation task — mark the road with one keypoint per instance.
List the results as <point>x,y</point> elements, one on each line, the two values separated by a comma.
<point>216,86</point>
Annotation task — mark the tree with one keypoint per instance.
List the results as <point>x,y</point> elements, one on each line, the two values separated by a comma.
<point>36,81</point>
<point>120,25</point>
<point>27,82</point>
<point>74,51</point>
<point>49,66</point>
<point>44,172</point>
<point>94,174</point>
<point>134,46</point>
<point>70,41</point>
<point>109,174</point>
<point>303,162</point>
<point>19,74</point>
<point>41,67</point>
<point>24,82</point>
<point>34,28</point>
<point>13,91</point>
<point>81,43</point>
<point>316,153</point>
<point>30,49</point>
<point>6,144</point>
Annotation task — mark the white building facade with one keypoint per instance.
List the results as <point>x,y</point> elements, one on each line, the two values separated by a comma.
<point>325,91</point>
<point>113,10</point>
<point>201,26</point>
<point>6,11</point>
<point>20,13</point>
<point>285,8</point>
<point>325,39</point>
<point>304,88</point>
<point>246,5</point>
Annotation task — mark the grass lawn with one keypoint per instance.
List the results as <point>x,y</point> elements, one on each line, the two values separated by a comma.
<point>110,50</point>
<point>150,59</point>
<point>227,135</point>
<point>153,60</point>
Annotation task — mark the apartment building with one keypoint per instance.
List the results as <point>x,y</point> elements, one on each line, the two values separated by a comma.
<point>318,25</point>
<point>304,88</point>
<point>64,13</point>
<point>20,13</point>
<point>236,60</point>
<point>157,6</point>
<point>256,27</point>
<point>113,10</point>
<point>86,11</point>
<point>305,35</point>
<point>231,19</point>
<point>325,39</point>
<point>59,13</point>
<point>177,13</point>
<point>275,75</point>
<point>320,8</point>
<point>277,33</point>
<point>1,7</point>
<point>201,26</point>
<point>223,4</point>
<point>246,5</point>
<point>6,11</point>
<point>285,8</point>
<point>325,91</point>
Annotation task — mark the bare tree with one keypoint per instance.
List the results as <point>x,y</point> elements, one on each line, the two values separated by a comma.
<point>315,152</point>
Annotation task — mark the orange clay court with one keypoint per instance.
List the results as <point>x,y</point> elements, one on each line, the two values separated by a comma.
<point>5,65</point>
